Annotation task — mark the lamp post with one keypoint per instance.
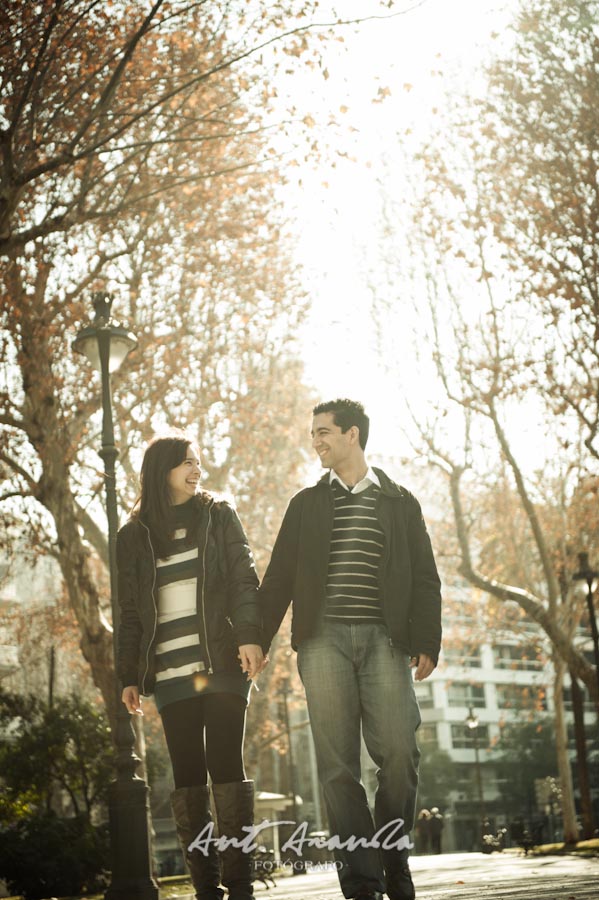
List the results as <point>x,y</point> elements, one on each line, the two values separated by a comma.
<point>106,345</point>
<point>285,691</point>
<point>472,724</point>
<point>586,573</point>
<point>298,866</point>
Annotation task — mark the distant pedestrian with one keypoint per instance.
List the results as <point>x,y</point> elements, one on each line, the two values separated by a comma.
<point>435,827</point>
<point>520,835</point>
<point>517,829</point>
<point>422,831</point>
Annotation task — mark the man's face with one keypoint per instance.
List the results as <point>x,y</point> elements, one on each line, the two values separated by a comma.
<point>332,446</point>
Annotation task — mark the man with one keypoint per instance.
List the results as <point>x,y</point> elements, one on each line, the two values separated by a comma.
<point>435,825</point>
<point>354,558</point>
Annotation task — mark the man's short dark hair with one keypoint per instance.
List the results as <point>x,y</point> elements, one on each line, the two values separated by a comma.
<point>345,414</point>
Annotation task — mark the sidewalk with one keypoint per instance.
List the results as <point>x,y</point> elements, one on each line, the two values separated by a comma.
<point>462,876</point>
<point>551,873</point>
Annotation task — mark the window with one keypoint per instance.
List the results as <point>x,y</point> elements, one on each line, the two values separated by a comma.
<point>424,695</point>
<point>427,736</point>
<point>509,656</point>
<point>464,738</point>
<point>466,695</point>
<point>468,657</point>
<point>518,696</point>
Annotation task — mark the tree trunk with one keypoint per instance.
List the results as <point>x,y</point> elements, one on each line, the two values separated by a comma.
<point>96,636</point>
<point>563,761</point>
<point>48,433</point>
<point>586,805</point>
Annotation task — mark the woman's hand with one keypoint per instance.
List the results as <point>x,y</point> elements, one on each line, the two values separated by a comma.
<point>252,659</point>
<point>130,698</point>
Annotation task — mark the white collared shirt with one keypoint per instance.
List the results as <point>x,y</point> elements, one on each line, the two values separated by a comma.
<point>370,478</point>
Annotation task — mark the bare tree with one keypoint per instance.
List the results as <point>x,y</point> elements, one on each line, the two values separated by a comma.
<point>501,265</point>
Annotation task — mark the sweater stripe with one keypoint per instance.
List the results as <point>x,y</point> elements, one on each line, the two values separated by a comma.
<point>187,640</point>
<point>179,672</point>
<point>168,630</point>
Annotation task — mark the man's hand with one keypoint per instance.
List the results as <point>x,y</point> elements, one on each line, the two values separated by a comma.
<point>252,659</point>
<point>424,666</point>
<point>130,698</point>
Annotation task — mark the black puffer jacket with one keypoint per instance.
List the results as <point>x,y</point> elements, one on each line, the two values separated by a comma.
<point>226,598</point>
<point>410,589</point>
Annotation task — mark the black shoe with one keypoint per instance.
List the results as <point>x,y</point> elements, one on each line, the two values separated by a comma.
<point>368,895</point>
<point>400,885</point>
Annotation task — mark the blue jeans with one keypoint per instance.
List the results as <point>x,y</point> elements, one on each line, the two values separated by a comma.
<point>355,678</point>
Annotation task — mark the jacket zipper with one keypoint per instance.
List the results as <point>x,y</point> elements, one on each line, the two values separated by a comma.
<point>143,680</point>
<point>210,670</point>
<point>386,553</point>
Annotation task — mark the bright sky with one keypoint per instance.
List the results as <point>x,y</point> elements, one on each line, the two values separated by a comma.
<point>336,208</point>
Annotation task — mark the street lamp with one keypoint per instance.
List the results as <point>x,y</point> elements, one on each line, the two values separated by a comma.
<point>298,868</point>
<point>472,724</point>
<point>586,573</point>
<point>106,345</point>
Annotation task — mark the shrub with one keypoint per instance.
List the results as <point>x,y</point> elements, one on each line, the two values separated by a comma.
<point>44,856</point>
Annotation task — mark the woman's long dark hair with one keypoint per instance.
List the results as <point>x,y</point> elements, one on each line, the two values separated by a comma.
<point>153,507</point>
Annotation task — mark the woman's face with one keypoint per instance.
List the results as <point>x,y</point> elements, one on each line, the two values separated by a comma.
<point>183,481</point>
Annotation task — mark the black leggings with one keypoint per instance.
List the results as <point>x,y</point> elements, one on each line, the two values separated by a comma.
<point>205,735</point>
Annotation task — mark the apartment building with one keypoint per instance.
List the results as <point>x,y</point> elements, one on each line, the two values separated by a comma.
<point>487,679</point>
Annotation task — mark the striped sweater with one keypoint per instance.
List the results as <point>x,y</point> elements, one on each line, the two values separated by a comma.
<point>180,670</point>
<point>357,543</point>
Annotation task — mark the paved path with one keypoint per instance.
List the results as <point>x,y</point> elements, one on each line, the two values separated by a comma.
<point>465,876</point>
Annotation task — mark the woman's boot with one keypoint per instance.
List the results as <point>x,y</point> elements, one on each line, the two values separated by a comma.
<point>234,804</point>
<point>191,811</point>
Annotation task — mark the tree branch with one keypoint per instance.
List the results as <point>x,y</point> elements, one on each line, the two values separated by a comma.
<point>92,532</point>
<point>531,604</point>
<point>531,513</point>
<point>33,73</point>
<point>19,470</point>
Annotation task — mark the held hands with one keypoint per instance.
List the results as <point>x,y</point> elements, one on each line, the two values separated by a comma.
<point>131,699</point>
<point>252,660</point>
<point>423,665</point>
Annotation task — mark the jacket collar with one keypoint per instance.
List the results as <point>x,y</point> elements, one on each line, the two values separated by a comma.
<point>388,486</point>
<point>202,500</point>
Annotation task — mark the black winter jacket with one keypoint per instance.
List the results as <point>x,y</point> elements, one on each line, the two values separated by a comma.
<point>226,598</point>
<point>410,588</point>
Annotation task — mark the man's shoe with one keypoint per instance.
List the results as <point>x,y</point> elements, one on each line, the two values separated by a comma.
<point>400,885</point>
<point>368,895</point>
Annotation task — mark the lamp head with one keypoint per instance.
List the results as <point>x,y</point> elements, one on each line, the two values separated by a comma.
<point>102,303</point>
<point>118,342</point>
<point>586,572</point>
<point>471,719</point>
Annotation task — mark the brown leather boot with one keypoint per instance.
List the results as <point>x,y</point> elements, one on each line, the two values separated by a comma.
<point>191,811</point>
<point>234,804</point>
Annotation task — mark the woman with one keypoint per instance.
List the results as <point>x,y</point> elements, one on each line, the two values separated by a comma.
<point>190,634</point>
